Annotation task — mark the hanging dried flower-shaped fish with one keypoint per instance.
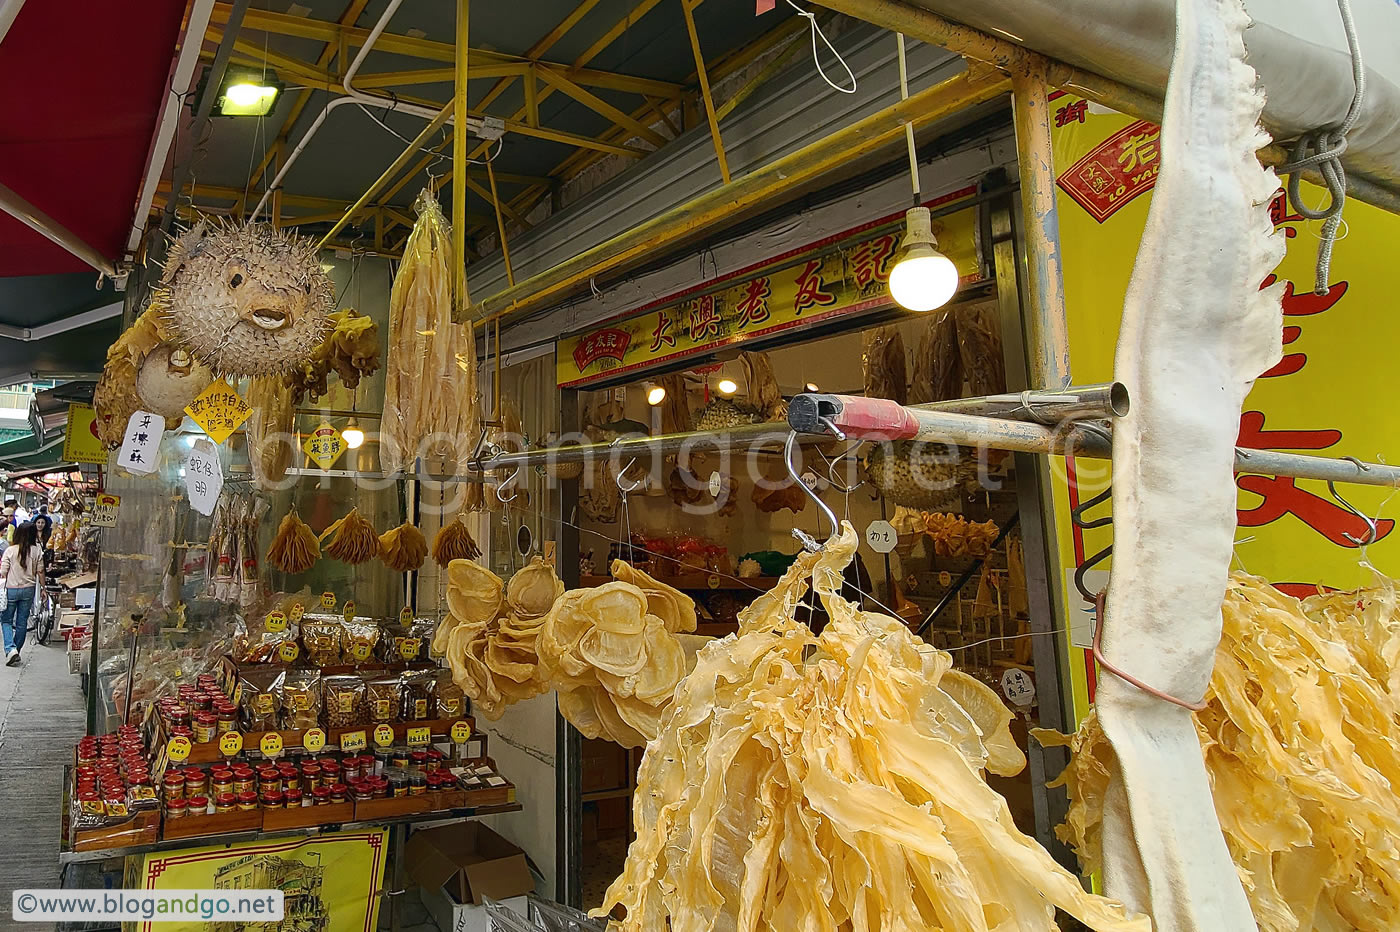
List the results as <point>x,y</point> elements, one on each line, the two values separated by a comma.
<point>454,542</point>
<point>353,539</point>
<point>403,548</point>
<point>295,549</point>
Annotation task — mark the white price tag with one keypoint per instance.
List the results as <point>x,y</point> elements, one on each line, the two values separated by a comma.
<point>716,484</point>
<point>881,536</point>
<point>104,510</point>
<point>1018,687</point>
<point>810,480</point>
<point>141,444</point>
<point>204,476</point>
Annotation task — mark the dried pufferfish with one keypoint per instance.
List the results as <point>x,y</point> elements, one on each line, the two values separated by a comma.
<point>835,782</point>
<point>295,549</point>
<point>403,548</point>
<point>245,300</point>
<point>1301,738</point>
<point>616,653</point>
<point>353,539</point>
<point>490,635</point>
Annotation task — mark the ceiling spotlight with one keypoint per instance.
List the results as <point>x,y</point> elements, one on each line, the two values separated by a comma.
<point>353,436</point>
<point>727,386</point>
<point>655,395</point>
<point>923,278</point>
<point>248,94</point>
<point>812,387</point>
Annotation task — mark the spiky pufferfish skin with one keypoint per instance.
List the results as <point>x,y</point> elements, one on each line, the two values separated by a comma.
<point>247,300</point>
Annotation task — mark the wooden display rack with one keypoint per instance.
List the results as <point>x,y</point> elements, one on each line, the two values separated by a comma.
<point>143,828</point>
<point>241,820</point>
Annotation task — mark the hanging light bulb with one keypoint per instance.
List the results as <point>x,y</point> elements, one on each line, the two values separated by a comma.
<point>922,278</point>
<point>812,387</point>
<point>655,395</point>
<point>353,436</point>
<point>726,386</point>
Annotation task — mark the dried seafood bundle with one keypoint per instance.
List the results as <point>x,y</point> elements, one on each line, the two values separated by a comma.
<point>765,398</point>
<point>454,542</point>
<point>616,653</point>
<point>955,536</point>
<point>350,349</point>
<point>491,633</point>
<point>938,374</point>
<point>271,443</point>
<point>430,401</point>
<point>922,474</point>
<point>886,372</point>
<point>115,397</point>
<point>295,549</point>
<point>835,782</point>
<point>353,539</point>
<point>403,548</point>
<point>1301,737</point>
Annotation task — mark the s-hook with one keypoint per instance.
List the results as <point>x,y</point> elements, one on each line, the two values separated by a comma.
<point>513,492</point>
<point>1372,531</point>
<point>830,515</point>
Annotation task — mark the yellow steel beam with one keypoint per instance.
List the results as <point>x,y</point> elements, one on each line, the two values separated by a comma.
<point>459,156</point>
<point>532,98</point>
<point>597,105</point>
<point>784,177</point>
<point>608,38</point>
<point>558,32</point>
<point>501,225</point>
<point>686,8</point>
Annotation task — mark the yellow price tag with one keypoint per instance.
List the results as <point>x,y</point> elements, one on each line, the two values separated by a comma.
<point>405,615</point>
<point>231,743</point>
<point>361,648</point>
<point>349,611</point>
<point>178,749</point>
<point>271,744</point>
<point>324,445</point>
<point>420,736</point>
<point>409,648</point>
<point>289,652</point>
<point>328,600</point>
<point>353,741</point>
<point>219,410</point>
<point>461,731</point>
<point>296,612</point>
<point>276,621</point>
<point>314,740</point>
<point>384,735</point>
<point>713,581</point>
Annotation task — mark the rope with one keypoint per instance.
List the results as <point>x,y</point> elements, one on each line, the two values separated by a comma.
<point>1323,149</point>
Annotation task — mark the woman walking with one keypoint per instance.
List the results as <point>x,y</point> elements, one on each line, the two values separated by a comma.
<point>21,569</point>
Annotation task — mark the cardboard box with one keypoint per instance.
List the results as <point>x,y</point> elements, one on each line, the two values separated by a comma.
<point>458,867</point>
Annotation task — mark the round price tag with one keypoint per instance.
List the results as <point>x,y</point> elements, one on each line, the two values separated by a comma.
<point>405,615</point>
<point>178,749</point>
<point>881,536</point>
<point>289,652</point>
<point>349,611</point>
<point>713,581</point>
<point>360,649</point>
<point>231,743</point>
<point>297,611</point>
<point>384,735</point>
<point>1018,687</point>
<point>716,484</point>
<point>314,740</point>
<point>276,621</point>
<point>271,744</point>
<point>461,731</point>
<point>328,600</point>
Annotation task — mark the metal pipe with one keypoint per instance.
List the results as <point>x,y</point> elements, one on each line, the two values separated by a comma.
<point>9,10</point>
<point>459,158</point>
<point>1109,399</point>
<point>51,229</point>
<point>687,7</point>
<point>500,225</point>
<point>44,331</point>
<point>718,207</point>
<point>1047,327</point>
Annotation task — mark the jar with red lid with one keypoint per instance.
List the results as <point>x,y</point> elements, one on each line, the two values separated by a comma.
<point>225,802</point>
<point>321,796</point>
<point>269,779</point>
<point>174,784</point>
<point>196,782</point>
<point>182,730</point>
<point>417,783</point>
<point>310,775</point>
<point>330,772</point>
<point>220,781</point>
<point>418,758</point>
<point>197,805</point>
<point>289,773</point>
<point>179,715</point>
<point>293,797</point>
<point>247,800</point>
<point>435,759</point>
<point>273,799</point>
<point>227,719</point>
<point>175,808</point>
<point>205,727</point>
<point>338,791</point>
<point>243,779</point>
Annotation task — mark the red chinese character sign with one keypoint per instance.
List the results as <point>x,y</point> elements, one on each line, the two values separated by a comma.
<point>845,274</point>
<point>1327,396</point>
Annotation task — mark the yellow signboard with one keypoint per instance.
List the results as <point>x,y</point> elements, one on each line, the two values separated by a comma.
<point>80,441</point>
<point>324,446</point>
<point>219,410</point>
<point>844,274</point>
<point>1327,397</point>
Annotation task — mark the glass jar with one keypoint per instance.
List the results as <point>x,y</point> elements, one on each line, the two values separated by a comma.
<point>220,782</point>
<point>434,761</point>
<point>310,776</point>
<point>225,802</point>
<point>196,782</point>
<point>175,808</point>
<point>418,758</point>
<point>398,783</point>
<point>338,791</point>
<point>197,805</point>
<point>247,800</point>
<point>227,718</point>
<point>174,785</point>
<point>273,799</point>
<point>399,757</point>
<point>293,797</point>
<point>269,778</point>
<point>382,757</point>
<point>330,772</point>
<point>321,796</point>
<point>417,783</point>
<point>205,724</point>
<point>243,781</point>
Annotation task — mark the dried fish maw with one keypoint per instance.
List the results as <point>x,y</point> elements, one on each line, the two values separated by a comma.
<point>993,720</point>
<point>577,706</point>
<point>616,607</point>
<point>509,662</point>
<point>618,654</point>
<point>665,666</point>
<point>532,591</point>
<point>474,593</point>
<point>675,609</point>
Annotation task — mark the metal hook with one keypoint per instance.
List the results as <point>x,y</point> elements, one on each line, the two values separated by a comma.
<point>1372,532</point>
<point>514,492</point>
<point>807,541</point>
<point>831,467</point>
<point>628,489</point>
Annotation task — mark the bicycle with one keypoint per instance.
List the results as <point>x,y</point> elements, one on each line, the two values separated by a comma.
<point>41,620</point>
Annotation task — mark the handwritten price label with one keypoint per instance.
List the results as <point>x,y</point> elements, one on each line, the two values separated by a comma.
<point>276,621</point>
<point>420,736</point>
<point>1018,687</point>
<point>231,743</point>
<point>353,741</point>
<point>881,536</point>
<point>178,749</point>
<point>314,740</point>
<point>461,731</point>
<point>384,735</point>
<point>271,744</point>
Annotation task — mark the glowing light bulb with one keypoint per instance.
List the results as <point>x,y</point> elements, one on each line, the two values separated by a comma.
<point>922,278</point>
<point>353,436</point>
<point>655,395</point>
<point>726,386</point>
<point>812,387</point>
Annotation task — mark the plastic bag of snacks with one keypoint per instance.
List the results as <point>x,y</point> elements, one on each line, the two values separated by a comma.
<point>418,639</point>
<point>382,699</point>
<point>301,699</point>
<point>416,688</point>
<point>259,698</point>
<point>449,699</point>
<point>360,638</point>
<point>344,700</point>
<point>253,643</point>
<point>321,639</point>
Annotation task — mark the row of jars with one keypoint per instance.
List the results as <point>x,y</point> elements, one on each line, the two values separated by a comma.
<point>112,776</point>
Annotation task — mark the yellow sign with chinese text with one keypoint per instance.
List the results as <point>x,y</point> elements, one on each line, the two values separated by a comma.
<point>324,446</point>
<point>844,274</point>
<point>219,410</point>
<point>1326,397</point>
<point>80,441</point>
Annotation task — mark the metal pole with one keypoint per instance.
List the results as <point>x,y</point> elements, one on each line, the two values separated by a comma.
<point>568,743</point>
<point>1109,399</point>
<point>459,158</point>
<point>52,230</point>
<point>500,225</point>
<point>1047,330</point>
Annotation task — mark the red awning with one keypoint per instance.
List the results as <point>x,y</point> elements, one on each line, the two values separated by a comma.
<point>81,87</point>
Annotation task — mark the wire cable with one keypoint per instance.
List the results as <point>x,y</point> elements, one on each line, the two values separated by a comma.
<point>816,56</point>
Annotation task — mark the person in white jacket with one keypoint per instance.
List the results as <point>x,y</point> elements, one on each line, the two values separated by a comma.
<point>21,569</point>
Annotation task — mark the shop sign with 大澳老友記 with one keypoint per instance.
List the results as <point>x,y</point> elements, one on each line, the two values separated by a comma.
<point>842,275</point>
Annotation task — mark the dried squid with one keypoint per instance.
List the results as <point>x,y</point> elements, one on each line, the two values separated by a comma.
<point>834,782</point>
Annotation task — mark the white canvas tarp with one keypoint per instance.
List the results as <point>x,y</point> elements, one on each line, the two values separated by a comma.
<point>1297,46</point>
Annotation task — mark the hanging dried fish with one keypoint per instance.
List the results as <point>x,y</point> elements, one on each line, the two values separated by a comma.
<point>353,539</point>
<point>886,371</point>
<point>765,398</point>
<point>115,397</point>
<point>454,542</point>
<point>271,443</point>
<point>403,548</point>
<point>295,549</point>
<point>938,372</point>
